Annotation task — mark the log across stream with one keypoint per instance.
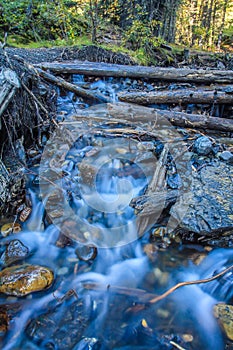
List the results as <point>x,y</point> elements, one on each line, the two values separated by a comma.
<point>140,72</point>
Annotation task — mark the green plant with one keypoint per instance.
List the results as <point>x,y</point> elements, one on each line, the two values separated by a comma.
<point>42,20</point>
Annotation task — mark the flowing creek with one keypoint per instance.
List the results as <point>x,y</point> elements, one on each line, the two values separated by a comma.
<point>100,297</point>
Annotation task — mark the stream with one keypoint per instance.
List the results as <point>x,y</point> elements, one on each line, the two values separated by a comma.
<point>105,274</point>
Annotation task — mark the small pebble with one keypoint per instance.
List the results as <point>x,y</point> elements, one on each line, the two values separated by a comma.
<point>188,338</point>
<point>86,252</point>
<point>62,271</point>
<point>162,313</point>
<point>226,156</point>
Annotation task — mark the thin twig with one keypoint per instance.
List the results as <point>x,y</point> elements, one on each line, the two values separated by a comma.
<point>145,296</point>
<point>188,283</point>
<point>177,345</point>
<point>35,98</point>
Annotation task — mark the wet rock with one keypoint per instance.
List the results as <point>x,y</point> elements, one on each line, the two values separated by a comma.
<point>62,327</point>
<point>86,252</point>
<point>4,319</point>
<point>146,146</point>
<point>63,241</point>
<point>25,213</point>
<point>174,181</point>
<point>62,271</point>
<point>15,251</point>
<point>203,145</point>
<point>21,280</point>
<point>207,207</point>
<point>11,227</point>
<point>56,213</point>
<point>224,314</point>
<point>188,338</point>
<point>88,344</point>
<point>226,156</point>
<point>151,251</point>
<point>87,172</point>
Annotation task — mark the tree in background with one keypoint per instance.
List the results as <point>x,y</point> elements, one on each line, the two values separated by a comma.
<point>202,23</point>
<point>42,19</point>
<point>145,23</point>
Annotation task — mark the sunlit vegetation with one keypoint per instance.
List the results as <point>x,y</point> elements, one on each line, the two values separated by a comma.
<point>143,25</point>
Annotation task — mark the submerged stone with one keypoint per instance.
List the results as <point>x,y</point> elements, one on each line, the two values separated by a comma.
<point>21,280</point>
<point>62,327</point>
<point>11,227</point>
<point>86,252</point>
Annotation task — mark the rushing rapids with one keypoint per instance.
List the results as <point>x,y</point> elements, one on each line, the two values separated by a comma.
<point>105,273</point>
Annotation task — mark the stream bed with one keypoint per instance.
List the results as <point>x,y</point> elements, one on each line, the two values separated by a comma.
<point>96,276</point>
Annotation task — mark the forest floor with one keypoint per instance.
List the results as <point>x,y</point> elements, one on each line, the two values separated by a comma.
<point>94,53</point>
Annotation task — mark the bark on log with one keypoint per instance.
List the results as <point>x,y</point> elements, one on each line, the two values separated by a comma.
<point>135,113</point>
<point>149,207</point>
<point>4,184</point>
<point>71,87</point>
<point>154,73</point>
<point>179,96</point>
<point>9,83</point>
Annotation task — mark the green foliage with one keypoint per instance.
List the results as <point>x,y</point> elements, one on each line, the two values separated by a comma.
<point>145,24</point>
<point>227,37</point>
<point>201,23</point>
<point>42,20</point>
<point>141,34</point>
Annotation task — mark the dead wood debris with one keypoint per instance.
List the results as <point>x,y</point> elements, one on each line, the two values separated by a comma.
<point>149,298</point>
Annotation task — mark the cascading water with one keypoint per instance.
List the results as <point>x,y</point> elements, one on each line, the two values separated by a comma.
<point>113,309</point>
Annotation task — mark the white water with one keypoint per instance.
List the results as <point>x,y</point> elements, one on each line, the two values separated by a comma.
<point>129,267</point>
<point>123,266</point>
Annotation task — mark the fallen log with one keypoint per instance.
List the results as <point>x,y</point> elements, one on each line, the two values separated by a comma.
<point>4,185</point>
<point>150,206</point>
<point>9,83</point>
<point>71,87</point>
<point>152,73</point>
<point>135,113</point>
<point>185,96</point>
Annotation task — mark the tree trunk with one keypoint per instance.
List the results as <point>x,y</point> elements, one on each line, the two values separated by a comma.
<point>179,97</point>
<point>126,112</point>
<point>152,73</point>
<point>9,83</point>
<point>94,19</point>
<point>4,185</point>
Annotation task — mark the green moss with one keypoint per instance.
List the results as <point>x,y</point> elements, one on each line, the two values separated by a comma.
<point>20,42</point>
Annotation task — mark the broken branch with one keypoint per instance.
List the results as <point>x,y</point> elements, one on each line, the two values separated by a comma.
<point>188,283</point>
<point>71,87</point>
